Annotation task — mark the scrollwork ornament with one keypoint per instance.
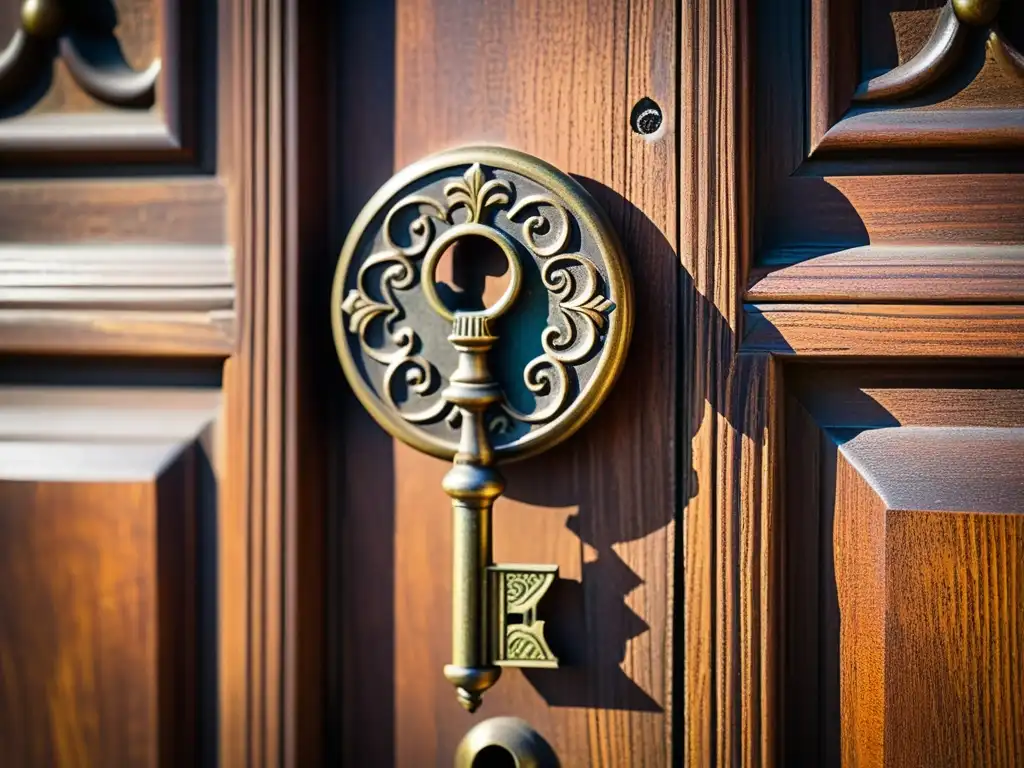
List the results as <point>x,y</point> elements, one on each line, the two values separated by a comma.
<point>533,213</point>
<point>83,36</point>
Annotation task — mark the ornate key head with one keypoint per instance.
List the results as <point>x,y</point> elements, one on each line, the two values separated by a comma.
<point>560,328</point>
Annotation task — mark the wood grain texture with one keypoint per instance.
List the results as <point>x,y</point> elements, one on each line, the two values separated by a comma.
<point>748,550</point>
<point>885,330</point>
<point>272,135</point>
<point>557,80</point>
<point>91,211</point>
<point>896,274</point>
<point>97,587</point>
<point>714,244</point>
<point>935,551</point>
<point>859,546</point>
<point>939,39</point>
<point>910,393</point>
<point>939,209</point>
<point>895,192</point>
<point>868,447</point>
<point>833,64</point>
<point>985,129</point>
<point>117,299</point>
<point>960,619</point>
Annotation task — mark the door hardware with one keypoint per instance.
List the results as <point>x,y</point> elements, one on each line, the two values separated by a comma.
<point>426,372</point>
<point>504,741</point>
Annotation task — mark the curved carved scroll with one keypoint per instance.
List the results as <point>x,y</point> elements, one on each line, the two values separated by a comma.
<point>89,49</point>
<point>942,51</point>
<point>931,62</point>
<point>1009,58</point>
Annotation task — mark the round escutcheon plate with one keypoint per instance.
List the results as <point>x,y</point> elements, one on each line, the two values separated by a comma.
<point>562,324</point>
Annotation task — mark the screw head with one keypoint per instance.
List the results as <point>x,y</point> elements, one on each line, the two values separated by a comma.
<point>41,18</point>
<point>646,117</point>
<point>976,12</point>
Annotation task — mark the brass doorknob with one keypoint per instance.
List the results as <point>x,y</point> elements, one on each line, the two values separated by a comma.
<point>427,371</point>
<point>504,742</point>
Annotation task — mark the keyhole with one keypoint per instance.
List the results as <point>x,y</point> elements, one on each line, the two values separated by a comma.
<point>494,756</point>
<point>472,274</point>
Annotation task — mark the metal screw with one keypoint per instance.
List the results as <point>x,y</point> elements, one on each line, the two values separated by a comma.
<point>646,117</point>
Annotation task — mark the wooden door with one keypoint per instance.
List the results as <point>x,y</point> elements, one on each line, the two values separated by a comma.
<point>792,535</point>
<point>149,395</point>
<point>557,80</point>
<point>883,335</point>
<point>819,563</point>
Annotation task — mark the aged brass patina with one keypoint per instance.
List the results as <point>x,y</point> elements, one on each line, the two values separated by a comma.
<point>504,741</point>
<point>427,372</point>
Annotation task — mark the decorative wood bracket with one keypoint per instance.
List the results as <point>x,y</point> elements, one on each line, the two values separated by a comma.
<point>81,34</point>
<point>942,51</point>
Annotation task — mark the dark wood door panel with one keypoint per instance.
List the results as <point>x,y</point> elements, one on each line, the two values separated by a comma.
<point>125,162</point>
<point>557,80</point>
<point>910,194</point>
<point>98,591</point>
<point>103,83</point>
<point>901,562</point>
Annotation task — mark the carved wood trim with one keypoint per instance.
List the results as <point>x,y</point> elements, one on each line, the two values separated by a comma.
<point>916,431</point>
<point>884,330</point>
<point>166,132</point>
<point>894,273</point>
<point>833,89</point>
<point>930,63</point>
<point>155,300</point>
<point>273,139</point>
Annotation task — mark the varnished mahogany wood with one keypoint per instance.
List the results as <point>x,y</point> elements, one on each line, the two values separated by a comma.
<point>932,274</point>
<point>984,114</point>
<point>689,643</point>
<point>102,495</point>
<point>900,494</point>
<point>184,243</point>
<point>885,330</point>
<point>928,553</point>
<point>548,78</point>
<point>188,211</point>
<point>117,299</point>
<point>715,718</point>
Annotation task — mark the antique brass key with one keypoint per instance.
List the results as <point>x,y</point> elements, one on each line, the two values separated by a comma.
<point>394,334</point>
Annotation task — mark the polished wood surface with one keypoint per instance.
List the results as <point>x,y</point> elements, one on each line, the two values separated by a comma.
<point>547,78</point>
<point>928,555</point>
<point>813,259</point>
<point>885,330</point>
<point>102,495</point>
<point>933,274</point>
<point>882,293</point>
<point>51,116</point>
<point>121,265</point>
<point>714,238</point>
<point>981,110</point>
<point>901,546</point>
